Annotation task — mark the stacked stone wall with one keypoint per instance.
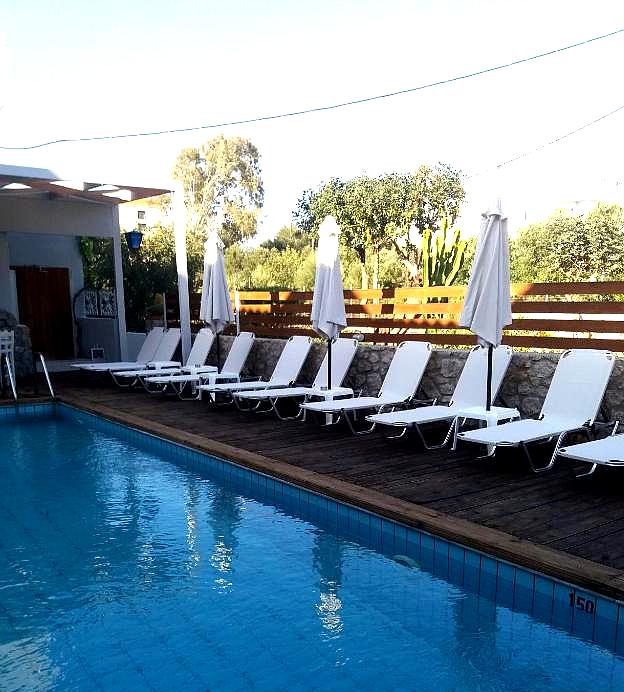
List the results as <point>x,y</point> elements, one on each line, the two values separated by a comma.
<point>524,387</point>
<point>23,349</point>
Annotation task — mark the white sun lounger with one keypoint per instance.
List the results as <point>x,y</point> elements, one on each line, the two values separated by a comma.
<point>469,394</point>
<point>286,372</point>
<point>162,358</point>
<point>343,351</point>
<point>192,376</point>
<point>146,353</point>
<point>609,451</point>
<point>399,386</point>
<point>196,358</point>
<point>571,405</point>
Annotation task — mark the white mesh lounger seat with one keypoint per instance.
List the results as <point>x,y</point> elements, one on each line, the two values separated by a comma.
<point>609,451</point>
<point>571,405</point>
<point>286,372</point>
<point>144,356</point>
<point>162,359</point>
<point>399,386</point>
<point>191,377</point>
<point>469,394</point>
<point>343,351</point>
<point>196,358</point>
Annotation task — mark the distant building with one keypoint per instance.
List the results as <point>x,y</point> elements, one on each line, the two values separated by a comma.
<point>142,214</point>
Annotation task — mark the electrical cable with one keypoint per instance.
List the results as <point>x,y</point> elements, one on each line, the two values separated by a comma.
<point>318,109</point>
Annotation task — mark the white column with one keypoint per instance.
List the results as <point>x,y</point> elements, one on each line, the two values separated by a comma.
<point>119,288</point>
<point>179,230</point>
<point>6,290</point>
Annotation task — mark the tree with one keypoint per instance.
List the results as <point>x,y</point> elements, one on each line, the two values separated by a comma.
<point>221,176</point>
<point>430,201</point>
<point>565,247</point>
<point>289,237</point>
<point>149,271</point>
<point>393,210</point>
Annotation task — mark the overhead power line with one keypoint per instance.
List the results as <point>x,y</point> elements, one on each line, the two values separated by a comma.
<point>528,152</point>
<point>318,109</point>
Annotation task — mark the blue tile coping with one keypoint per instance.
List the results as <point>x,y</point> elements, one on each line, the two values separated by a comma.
<point>583,613</point>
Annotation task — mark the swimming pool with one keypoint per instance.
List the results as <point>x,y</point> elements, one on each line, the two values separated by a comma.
<point>130,563</point>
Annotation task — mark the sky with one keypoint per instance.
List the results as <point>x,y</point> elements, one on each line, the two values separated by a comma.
<point>74,69</point>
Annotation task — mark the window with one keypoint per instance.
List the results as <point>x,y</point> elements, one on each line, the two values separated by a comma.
<point>140,214</point>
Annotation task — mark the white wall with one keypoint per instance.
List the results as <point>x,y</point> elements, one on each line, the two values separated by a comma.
<point>6,301</point>
<point>57,217</point>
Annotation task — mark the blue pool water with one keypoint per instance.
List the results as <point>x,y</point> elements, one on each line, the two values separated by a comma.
<point>120,570</point>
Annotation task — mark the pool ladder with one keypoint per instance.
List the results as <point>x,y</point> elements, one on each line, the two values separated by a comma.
<point>6,369</point>
<point>44,367</point>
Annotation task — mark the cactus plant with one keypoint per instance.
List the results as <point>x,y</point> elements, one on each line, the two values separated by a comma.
<point>441,260</point>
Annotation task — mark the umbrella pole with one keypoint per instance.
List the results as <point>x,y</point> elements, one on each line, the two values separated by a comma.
<point>218,352</point>
<point>329,356</point>
<point>488,394</point>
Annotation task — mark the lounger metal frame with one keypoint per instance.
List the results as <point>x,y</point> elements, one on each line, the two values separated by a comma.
<point>333,416</point>
<point>587,428</point>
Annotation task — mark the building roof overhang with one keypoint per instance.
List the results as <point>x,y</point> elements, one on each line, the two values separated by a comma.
<point>24,182</point>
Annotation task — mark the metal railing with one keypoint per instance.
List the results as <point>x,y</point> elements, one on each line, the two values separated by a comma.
<point>6,366</point>
<point>44,367</point>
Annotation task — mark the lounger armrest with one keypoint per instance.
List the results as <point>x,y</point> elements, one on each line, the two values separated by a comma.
<point>415,403</point>
<point>198,369</point>
<point>162,364</point>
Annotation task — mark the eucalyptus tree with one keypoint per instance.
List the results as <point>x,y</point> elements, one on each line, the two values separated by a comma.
<point>221,176</point>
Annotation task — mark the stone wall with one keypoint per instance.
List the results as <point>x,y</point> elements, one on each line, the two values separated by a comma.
<point>524,387</point>
<point>23,351</point>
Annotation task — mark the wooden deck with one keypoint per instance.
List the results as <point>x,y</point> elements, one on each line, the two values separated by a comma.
<point>572,529</point>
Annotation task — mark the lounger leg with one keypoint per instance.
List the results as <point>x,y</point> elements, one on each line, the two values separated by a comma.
<point>298,416</point>
<point>238,402</point>
<point>196,393</point>
<point>364,431</point>
<point>555,453</point>
<point>154,389</point>
<point>121,384</point>
<point>398,436</point>
<point>442,444</point>
<point>585,474</point>
<point>258,407</point>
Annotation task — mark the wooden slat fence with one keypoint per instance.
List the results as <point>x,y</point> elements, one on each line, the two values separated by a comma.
<point>545,315</point>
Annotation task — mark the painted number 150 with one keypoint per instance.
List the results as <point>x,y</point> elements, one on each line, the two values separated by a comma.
<point>581,603</point>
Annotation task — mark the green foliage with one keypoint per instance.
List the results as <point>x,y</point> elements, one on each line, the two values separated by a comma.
<point>97,262</point>
<point>289,237</point>
<point>441,259</point>
<point>149,271</point>
<point>463,275</point>
<point>571,248</point>
<point>221,175</point>
<point>392,210</point>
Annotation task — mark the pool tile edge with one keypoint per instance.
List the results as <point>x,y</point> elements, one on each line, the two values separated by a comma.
<point>582,574</point>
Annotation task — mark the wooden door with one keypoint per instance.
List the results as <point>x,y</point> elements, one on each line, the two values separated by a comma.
<point>44,304</point>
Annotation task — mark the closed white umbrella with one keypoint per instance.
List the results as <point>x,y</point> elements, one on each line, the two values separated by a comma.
<point>216,306</point>
<point>487,306</point>
<point>328,311</point>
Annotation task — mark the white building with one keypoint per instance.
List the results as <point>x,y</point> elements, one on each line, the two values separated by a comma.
<point>42,216</point>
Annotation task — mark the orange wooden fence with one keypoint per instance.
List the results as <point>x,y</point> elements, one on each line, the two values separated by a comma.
<point>546,316</point>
